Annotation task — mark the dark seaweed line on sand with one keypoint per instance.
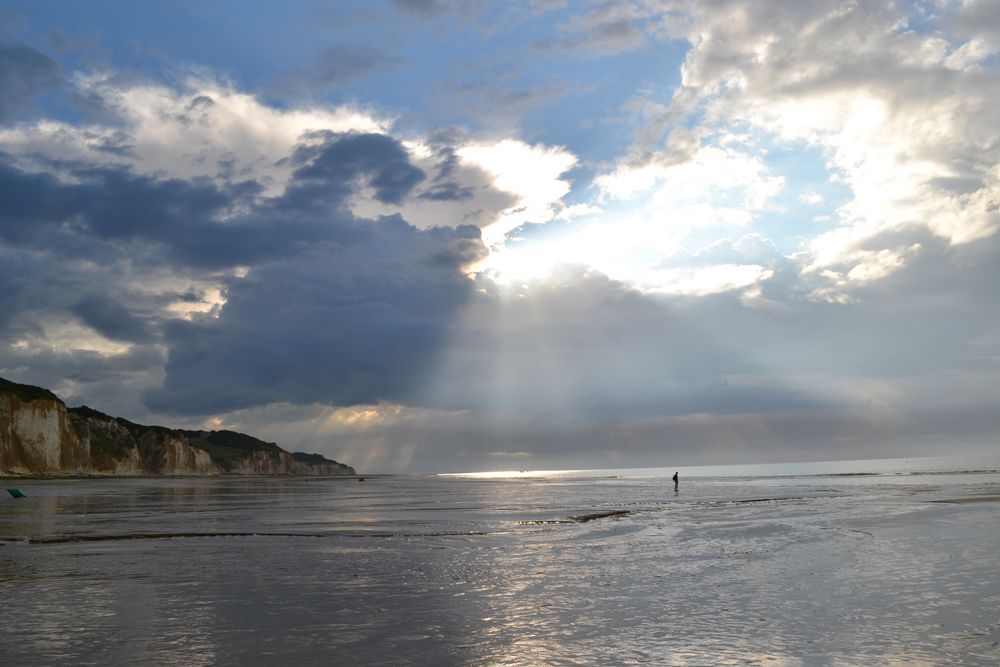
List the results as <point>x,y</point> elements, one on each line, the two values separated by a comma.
<point>64,539</point>
<point>580,518</point>
<point>67,539</point>
<point>748,501</point>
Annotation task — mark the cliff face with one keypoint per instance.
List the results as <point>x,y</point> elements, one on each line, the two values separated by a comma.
<point>38,434</point>
<point>314,464</point>
<point>120,447</point>
<point>264,463</point>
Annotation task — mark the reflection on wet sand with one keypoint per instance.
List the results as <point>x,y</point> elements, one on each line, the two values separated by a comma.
<point>427,571</point>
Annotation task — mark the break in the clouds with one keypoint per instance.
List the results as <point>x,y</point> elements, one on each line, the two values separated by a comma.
<point>433,235</point>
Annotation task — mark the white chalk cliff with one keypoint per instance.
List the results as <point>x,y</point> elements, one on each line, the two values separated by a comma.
<point>40,435</point>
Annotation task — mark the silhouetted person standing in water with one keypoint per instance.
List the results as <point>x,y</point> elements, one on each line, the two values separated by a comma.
<point>675,482</point>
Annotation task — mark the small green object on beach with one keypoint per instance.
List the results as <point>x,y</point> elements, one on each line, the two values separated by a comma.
<point>17,493</point>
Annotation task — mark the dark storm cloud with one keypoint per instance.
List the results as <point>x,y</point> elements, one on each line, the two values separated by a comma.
<point>85,282</point>
<point>341,324</point>
<point>24,73</point>
<point>445,144</point>
<point>334,309</point>
<point>16,274</point>
<point>189,218</point>
<point>115,205</point>
<point>447,167</point>
<point>329,171</point>
<point>109,382</point>
<point>111,319</point>
<point>39,291</point>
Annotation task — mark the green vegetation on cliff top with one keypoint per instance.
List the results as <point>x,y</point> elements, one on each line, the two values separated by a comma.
<point>227,447</point>
<point>312,459</point>
<point>27,392</point>
<point>132,427</point>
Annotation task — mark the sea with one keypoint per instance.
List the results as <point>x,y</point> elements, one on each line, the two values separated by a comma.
<point>888,562</point>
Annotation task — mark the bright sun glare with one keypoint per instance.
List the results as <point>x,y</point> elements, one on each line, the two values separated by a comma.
<point>508,474</point>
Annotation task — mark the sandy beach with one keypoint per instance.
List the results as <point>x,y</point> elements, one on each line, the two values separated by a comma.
<point>872,570</point>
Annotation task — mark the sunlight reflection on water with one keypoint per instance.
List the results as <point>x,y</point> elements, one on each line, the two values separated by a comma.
<point>400,570</point>
<point>511,474</point>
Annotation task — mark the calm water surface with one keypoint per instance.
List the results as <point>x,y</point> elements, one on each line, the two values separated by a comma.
<point>814,564</point>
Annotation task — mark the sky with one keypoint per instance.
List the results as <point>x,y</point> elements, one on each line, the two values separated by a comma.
<point>443,236</point>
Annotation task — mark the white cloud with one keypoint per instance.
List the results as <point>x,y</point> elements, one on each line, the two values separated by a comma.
<point>504,183</point>
<point>578,211</point>
<point>811,198</point>
<point>202,128</point>
<point>713,174</point>
<point>67,335</point>
<point>706,280</point>
<point>648,211</point>
<point>532,173</point>
<point>646,214</point>
<point>906,118</point>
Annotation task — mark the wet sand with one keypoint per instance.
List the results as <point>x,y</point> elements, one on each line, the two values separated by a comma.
<point>805,571</point>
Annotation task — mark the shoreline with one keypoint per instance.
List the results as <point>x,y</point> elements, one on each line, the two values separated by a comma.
<point>100,476</point>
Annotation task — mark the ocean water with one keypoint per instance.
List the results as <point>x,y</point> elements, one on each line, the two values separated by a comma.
<point>845,563</point>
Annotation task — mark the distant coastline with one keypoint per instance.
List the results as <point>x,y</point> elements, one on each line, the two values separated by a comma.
<point>40,437</point>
